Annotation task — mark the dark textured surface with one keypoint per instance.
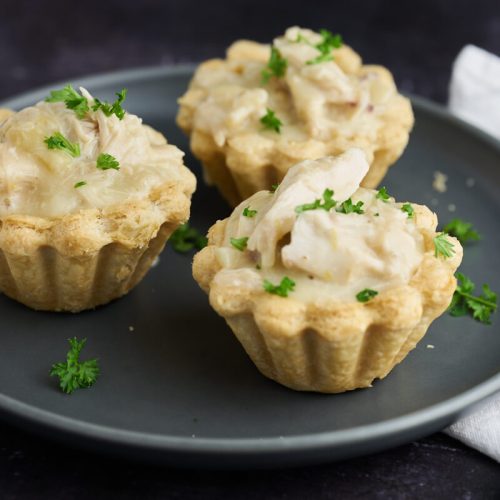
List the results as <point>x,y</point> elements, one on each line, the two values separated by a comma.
<point>42,41</point>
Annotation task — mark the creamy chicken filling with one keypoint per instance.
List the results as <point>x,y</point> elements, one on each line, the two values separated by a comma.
<point>321,102</point>
<point>39,181</point>
<point>324,232</point>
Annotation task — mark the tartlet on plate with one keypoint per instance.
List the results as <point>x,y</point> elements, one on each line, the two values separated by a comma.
<point>253,115</point>
<point>328,285</point>
<point>88,197</point>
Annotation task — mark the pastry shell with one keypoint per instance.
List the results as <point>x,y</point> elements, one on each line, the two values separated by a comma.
<point>333,346</point>
<point>82,260</point>
<point>243,165</point>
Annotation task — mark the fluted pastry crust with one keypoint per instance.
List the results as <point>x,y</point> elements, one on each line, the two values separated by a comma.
<point>84,259</point>
<point>333,346</point>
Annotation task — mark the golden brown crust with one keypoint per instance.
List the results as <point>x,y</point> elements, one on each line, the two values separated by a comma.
<point>5,113</point>
<point>333,346</point>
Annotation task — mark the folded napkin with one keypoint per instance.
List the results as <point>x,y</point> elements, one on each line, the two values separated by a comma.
<point>475,97</point>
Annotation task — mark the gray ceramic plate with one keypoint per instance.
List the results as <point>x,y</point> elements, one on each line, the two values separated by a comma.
<point>180,389</point>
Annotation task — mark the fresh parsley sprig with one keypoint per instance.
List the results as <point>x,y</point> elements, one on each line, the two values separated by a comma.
<point>58,141</point>
<point>239,243</point>
<point>348,207</point>
<point>328,42</point>
<point>79,184</point>
<point>382,194</point>
<point>480,307</point>
<point>72,99</point>
<point>106,161</point>
<point>274,187</point>
<point>409,210</point>
<point>286,286</point>
<point>462,230</point>
<point>80,105</point>
<point>72,373</point>
<point>366,295</point>
<point>114,108</point>
<point>327,204</point>
<point>271,121</point>
<point>276,66</point>
<point>186,238</point>
<point>248,212</point>
<point>443,247</point>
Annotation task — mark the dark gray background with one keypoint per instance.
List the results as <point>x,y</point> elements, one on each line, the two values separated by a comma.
<point>42,41</point>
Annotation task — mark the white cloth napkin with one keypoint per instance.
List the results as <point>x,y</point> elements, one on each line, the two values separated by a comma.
<point>475,97</point>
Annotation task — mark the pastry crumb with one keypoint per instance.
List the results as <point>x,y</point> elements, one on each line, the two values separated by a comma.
<point>131,328</point>
<point>430,346</point>
<point>470,182</point>
<point>439,182</point>
<point>452,207</point>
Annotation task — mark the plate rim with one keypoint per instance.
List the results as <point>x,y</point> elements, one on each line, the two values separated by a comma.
<point>447,410</point>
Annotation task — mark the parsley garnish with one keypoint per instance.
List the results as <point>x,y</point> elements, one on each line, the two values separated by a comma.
<point>80,184</point>
<point>276,66</point>
<point>382,194</point>
<point>479,307</point>
<point>443,246</point>
<point>461,230</point>
<point>239,243</point>
<point>327,204</point>
<point>286,285</point>
<point>274,187</point>
<point>408,208</point>
<point>112,109</point>
<point>58,141</point>
<point>186,238</point>
<point>71,98</point>
<point>72,373</point>
<point>271,121</point>
<point>366,295</point>
<point>248,212</point>
<point>348,207</point>
<point>106,161</point>
<point>329,41</point>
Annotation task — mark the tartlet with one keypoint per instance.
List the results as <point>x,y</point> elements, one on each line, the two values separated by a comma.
<point>88,198</point>
<point>325,98</point>
<point>328,285</point>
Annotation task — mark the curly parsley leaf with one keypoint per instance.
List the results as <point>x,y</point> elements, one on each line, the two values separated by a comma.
<point>248,212</point>
<point>58,141</point>
<point>274,187</point>
<point>443,246</point>
<point>80,184</point>
<point>327,204</point>
<point>186,238</point>
<point>464,303</point>
<point>328,42</point>
<point>366,295</point>
<point>72,99</point>
<point>382,194</point>
<point>239,243</point>
<point>286,286</point>
<point>276,66</point>
<point>271,121</point>
<point>72,373</point>
<point>106,161</point>
<point>408,208</point>
<point>462,230</point>
<point>348,207</point>
<point>114,108</point>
